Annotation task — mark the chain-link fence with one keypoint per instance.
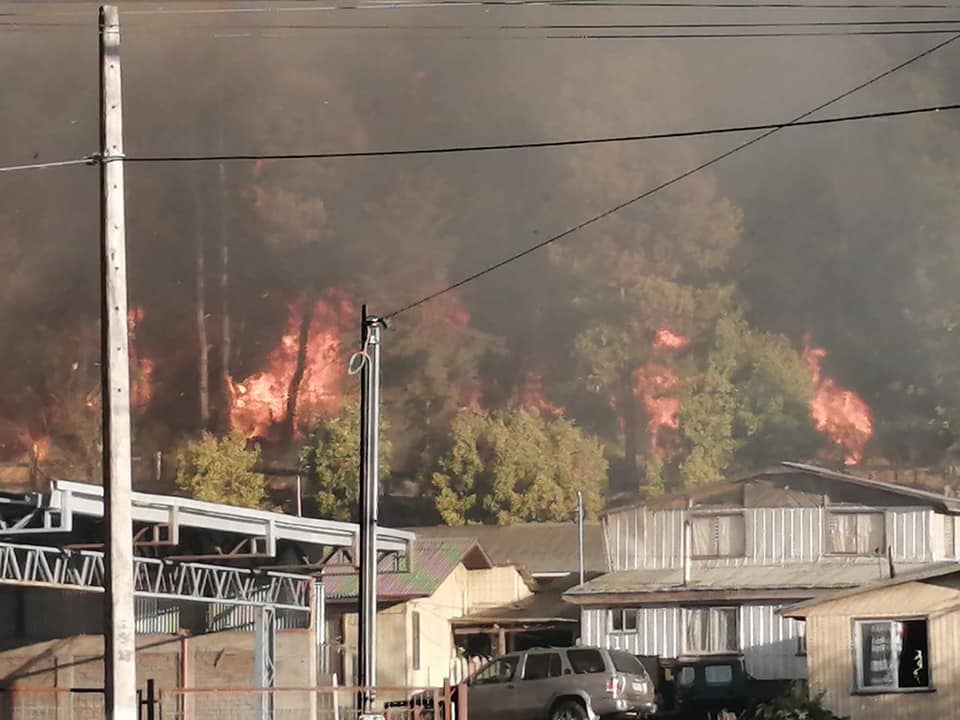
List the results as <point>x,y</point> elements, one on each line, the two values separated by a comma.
<point>51,704</point>
<point>326,703</point>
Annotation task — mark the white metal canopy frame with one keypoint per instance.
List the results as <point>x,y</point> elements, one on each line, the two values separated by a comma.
<point>57,568</point>
<point>56,511</point>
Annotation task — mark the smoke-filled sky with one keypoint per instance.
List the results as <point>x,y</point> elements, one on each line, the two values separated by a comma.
<point>830,215</point>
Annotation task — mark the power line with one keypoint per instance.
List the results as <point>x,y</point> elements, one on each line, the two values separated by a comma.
<point>672,181</point>
<point>573,142</point>
<point>405,27</point>
<point>44,165</point>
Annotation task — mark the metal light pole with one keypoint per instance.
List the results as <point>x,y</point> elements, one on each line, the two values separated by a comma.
<point>580,530</point>
<point>369,489</point>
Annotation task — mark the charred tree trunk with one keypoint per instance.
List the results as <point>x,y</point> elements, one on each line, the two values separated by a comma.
<point>203,369</point>
<point>226,345</point>
<point>297,379</point>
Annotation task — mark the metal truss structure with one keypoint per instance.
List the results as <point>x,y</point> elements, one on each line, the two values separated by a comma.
<point>55,568</point>
<point>163,516</point>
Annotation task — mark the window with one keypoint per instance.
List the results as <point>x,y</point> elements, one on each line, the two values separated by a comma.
<point>718,674</point>
<point>802,641</point>
<point>499,671</point>
<point>623,620</point>
<point>415,635</point>
<point>627,664</point>
<point>852,533</point>
<point>715,536</point>
<point>687,676</point>
<point>892,655</point>
<point>711,631</point>
<point>542,666</point>
<point>586,662</point>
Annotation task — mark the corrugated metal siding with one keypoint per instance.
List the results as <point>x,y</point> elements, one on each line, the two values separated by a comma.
<point>157,617</point>
<point>651,540</point>
<point>242,618</point>
<point>909,532</point>
<point>770,643</point>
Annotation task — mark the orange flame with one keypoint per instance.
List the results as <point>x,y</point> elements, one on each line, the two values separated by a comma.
<point>652,385</point>
<point>260,401</point>
<point>667,339</point>
<point>530,397</point>
<point>840,414</point>
<point>141,386</point>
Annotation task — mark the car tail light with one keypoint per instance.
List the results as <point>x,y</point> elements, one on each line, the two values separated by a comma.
<point>616,685</point>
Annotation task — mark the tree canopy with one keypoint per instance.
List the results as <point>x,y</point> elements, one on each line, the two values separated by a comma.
<point>330,459</point>
<point>512,466</point>
<point>221,470</point>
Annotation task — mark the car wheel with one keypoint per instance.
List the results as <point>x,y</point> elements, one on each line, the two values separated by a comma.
<point>569,710</point>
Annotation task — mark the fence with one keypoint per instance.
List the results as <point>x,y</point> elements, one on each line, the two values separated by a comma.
<point>51,704</point>
<point>310,703</point>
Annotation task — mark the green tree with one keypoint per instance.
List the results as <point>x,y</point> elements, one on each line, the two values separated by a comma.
<point>330,457</point>
<point>221,470</point>
<point>512,466</point>
<point>749,408</point>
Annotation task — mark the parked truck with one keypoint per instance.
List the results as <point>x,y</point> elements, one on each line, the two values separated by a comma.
<point>707,687</point>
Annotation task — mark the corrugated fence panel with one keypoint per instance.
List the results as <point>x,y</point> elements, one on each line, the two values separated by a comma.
<point>157,617</point>
<point>771,643</point>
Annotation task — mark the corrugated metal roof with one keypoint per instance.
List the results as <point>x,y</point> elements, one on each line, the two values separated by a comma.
<point>431,562</point>
<point>926,572</point>
<point>822,575</point>
<point>539,547</point>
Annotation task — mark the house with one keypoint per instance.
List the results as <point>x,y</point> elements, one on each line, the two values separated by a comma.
<point>446,579</point>
<point>548,551</point>
<point>707,572</point>
<point>889,649</point>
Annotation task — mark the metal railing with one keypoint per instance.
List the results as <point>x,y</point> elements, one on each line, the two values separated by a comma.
<point>309,703</point>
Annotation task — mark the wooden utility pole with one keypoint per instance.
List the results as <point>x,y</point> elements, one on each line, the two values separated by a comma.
<point>120,672</point>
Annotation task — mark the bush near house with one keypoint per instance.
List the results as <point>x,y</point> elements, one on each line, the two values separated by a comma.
<point>796,704</point>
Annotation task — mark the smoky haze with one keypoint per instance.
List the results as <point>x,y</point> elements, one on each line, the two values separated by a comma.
<point>831,218</point>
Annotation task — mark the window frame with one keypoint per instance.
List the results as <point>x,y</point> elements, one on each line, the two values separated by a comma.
<point>622,614</point>
<point>684,620</point>
<point>715,515</point>
<point>549,655</point>
<point>828,552</point>
<point>858,687</point>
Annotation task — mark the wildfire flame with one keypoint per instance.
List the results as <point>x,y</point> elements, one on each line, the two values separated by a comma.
<point>840,414</point>
<point>667,339</point>
<point>141,385</point>
<point>652,385</point>
<point>260,401</point>
<point>530,397</point>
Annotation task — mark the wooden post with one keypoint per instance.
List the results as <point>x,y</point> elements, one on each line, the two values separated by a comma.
<point>120,671</point>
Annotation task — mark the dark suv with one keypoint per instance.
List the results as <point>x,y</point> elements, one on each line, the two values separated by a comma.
<point>577,683</point>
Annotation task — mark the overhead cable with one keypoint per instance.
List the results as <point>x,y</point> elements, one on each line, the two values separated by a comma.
<point>44,165</point>
<point>672,181</point>
<point>572,142</point>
